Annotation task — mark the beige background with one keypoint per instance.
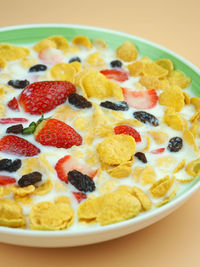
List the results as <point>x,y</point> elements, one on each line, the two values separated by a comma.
<point>175,240</point>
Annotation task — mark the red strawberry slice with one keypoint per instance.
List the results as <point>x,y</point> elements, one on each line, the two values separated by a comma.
<point>143,99</point>
<point>4,180</point>
<point>125,129</point>
<point>15,145</point>
<point>41,97</point>
<point>12,120</point>
<point>13,104</point>
<point>117,75</point>
<point>158,151</point>
<point>79,196</point>
<point>67,164</point>
<point>53,132</point>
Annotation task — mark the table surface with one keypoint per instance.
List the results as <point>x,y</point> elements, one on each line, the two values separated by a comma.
<point>173,241</point>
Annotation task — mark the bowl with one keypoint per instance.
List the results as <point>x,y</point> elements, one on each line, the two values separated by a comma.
<point>27,34</point>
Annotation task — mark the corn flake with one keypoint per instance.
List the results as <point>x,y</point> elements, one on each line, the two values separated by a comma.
<point>4,191</point>
<point>26,200</point>
<point>180,166</point>
<point>136,68</point>
<point>148,143</point>
<point>62,200</point>
<point>174,120</point>
<point>2,110</point>
<point>150,82</point>
<point>186,98</point>
<point>189,138</point>
<point>127,51</point>
<point>2,63</point>
<point>178,78</point>
<point>65,113</point>
<point>26,63</point>
<point>96,60</point>
<point>108,186</point>
<point>147,175</point>
<point>153,69</point>
<point>88,209</point>
<point>11,53</point>
<point>161,187</point>
<point>196,102</point>
<point>159,137</point>
<point>193,167</point>
<point>120,171</point>
<point>168,198</point>
<point>82,41</point>
<point>76,65</point>
<point>166,64</point>
<point>165,161</point>
<point>23,191</point>
<point>142,197</point>
<point>99,44</point>
<point>63,72</point>
<point>44,188</point>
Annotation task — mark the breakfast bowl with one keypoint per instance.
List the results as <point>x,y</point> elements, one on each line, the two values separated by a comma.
<point>133,195</point>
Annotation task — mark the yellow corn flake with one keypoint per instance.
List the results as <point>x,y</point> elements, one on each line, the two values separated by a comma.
<point>161,187</point>
<point>76,65</point>
<point>60,187</point>
<point>147,175</point>
<point>65,113</point>
<point>159,137</point>
<point>60,42</point>
<point>44,188</point>
<point>186,98</point>
<point>166,64</point>
<point>196,102</point>
<point>96,60</point>
<point>4,191</point>
<point>174,120</point>
<point>127,51</point>
<point>193,167</point>
<point>116,149</point>
<point>99,44</point>
<point>48,216</point>
<point>165,161</point>
<point>131,122</point>
<point>142,197</point>
<point>148,143</point>
<point>168,198</point>
<point>178,78</point>
<point>136,68</point>
<point>153,69</point>
<point>189,138</point>
<point>120,171</point>
<point>88,210</point>
<point>81,124</point>
<point>44,44</point>
<point>63,72</point>
<point>2,110</point>
<point>23,191</point>
<point>73,49</point>
<point>172,97</point>
<point>5,89</point>
<point>26,63</point>
<point>37,163</point>
<point>80,75</point>
<point>108,186</point>
<point>125,188</point>
<point>180,166</point>
<point>2,63</point>
<point>194,128</point>
<point>11,213</point>
<point>195,117</point>
<point>150,82</point>
<point>82,41</point>
<point>184,181</point>
<point>26,200</point>
<point>77,152</point>
<point>46,166</point>
<point>62,199</point>
<point>115,89</point>
<point>11,53</point>
<point>136,173</point>
<point>92,157</point>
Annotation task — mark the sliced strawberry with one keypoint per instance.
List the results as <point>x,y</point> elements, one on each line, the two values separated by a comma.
<point>41,97</point>
<point>143,99</point>
<point>51,56</point>
<point>67,164</point>
<point>12,120</point>
<point>117,75</point>
<point>79,196</point>
<point>15,145</point>
<point>53,132</point>
<point>158,151</point>
<point>13,104</point>
<point>125,129</point>
<point>4,180</point>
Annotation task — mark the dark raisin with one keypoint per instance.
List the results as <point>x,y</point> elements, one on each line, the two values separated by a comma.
<point>30,179</point>
<point>141,156</point>
<point>116,63</point>
<point>79,101</point>
<point>175,144</point>
<point>144,117</point>
<point>16,129</point>
<point>18,84</point>
<point>122,106</point>
<point>75,59</point>
<point>81,181</point>
<point>38,67</point>
<point>9,165</point>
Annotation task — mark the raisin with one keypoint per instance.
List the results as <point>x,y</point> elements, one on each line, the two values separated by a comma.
<point>9,165</point>
<point>18,84</point>
<point>81,181</point>
<point>38,67</point>
<point>122,106</point>
<point>175,144</point>
<point>16,129</point>
<point>116,64</point>
<point>141,156</point>
<point>75,59</point>
<point>30,179</point>
<point>79,101</point>
<point>144,117</point>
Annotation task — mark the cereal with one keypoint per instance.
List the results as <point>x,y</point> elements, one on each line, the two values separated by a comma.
<point>153,69</point>
<point>147,175</point>
<point>166,64</point>
<point>161,187</point>
<point>168,198</point>
<point>11,53</point>
<point>159,137</point>
<point>196,102</point>
<point>174,120</point>
<point>96,60</point>
<point>44,188</point>
<point>63,72</point>
<point>142,197</point>
<point>136,68</point>
<point>193,167</point>
<point>99,44</point>
<point>120,171</point>
<point>82,41</point>
<point>180,166</point>
<point>177,78</point>
<point>189,138</point>
<point>23,191</point>
<point>127,51</point>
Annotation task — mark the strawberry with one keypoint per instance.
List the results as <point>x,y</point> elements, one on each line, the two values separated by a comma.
<point>143,99</point>
<point>79,196</point>
<point>125,129</point>
<point>4,180</point>
<point>53,132</point>
<point>117,75</point>
<point>41,97</point>
<point>15,145</point>
<point>67,164</point>
<point>51,56</point>
<point>158,151</point>
<point>12,120</point>
<point>13,104</point>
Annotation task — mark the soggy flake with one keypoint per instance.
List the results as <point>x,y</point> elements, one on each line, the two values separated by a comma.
<point>116,149</point>
<point>11,53</point>
<point>127,51</point>
<point>60,187</point>
<point>147,175</point>
<point>82,41</point>
<point>60,42</point>
<point>161,187</point>
<point>44,188</point>
<point>165,161</point>
<point>159,137</point>
<point>92,157</point>
<point>81,124</point>
<point>142,197</point>
<point>120,171</point>
<point>125,188</point>
<point>177,78</point>
<point>136,173</point>
<point>2,110</point>
<point>23,191</point>
<point>48,216</point>
<point>108,186</point>
<point>153,69</point>
<point>65,113</point>
<point>63,72</point>
<point>180,166</point>
<point>193,167</point>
